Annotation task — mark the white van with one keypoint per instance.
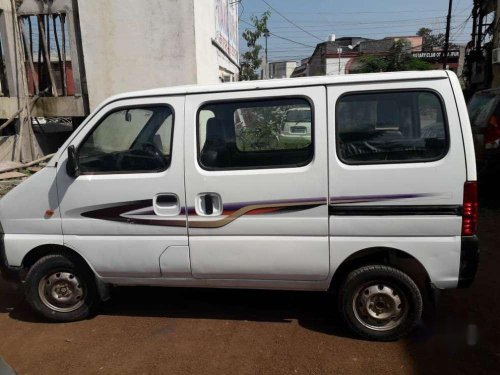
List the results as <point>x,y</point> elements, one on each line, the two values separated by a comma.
<point>191,186</point>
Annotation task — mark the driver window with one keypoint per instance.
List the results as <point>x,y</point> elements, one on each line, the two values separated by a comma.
<point>129,140</point>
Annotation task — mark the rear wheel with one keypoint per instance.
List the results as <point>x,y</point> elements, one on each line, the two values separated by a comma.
<point>380,302</point>
<point>60,288</point>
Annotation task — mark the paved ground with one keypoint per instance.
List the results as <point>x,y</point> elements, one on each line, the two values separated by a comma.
<point>179,331</point>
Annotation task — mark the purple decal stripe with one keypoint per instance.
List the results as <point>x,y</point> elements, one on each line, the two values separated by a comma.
<point>237,206</point>
<point>375,198</point>
<point>123,212</point>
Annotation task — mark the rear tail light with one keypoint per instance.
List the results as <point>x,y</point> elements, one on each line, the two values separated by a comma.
<point>470,209</point>
<point>492,133</point>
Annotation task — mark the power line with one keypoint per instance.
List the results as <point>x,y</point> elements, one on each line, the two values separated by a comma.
<point>290,21</point>
<point>315,23</point>
<point>350,29</point>
<point>281,37</point>
<point>461,27</point>
<point>383,12</point>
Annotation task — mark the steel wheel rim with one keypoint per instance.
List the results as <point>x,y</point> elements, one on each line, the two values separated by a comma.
<point>379,306</point>
<point>62,291</point>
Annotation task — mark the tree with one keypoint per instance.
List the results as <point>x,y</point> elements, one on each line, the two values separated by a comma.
<point>250,60</point>
<point>371,64</point>
<point>398,59</point>
<point>432,41</point>
<point>399,55</point>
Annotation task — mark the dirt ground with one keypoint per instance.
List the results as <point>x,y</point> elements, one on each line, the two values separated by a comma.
<point>181,331</point>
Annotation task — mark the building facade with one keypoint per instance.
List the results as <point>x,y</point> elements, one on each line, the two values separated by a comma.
<point>281,69</point>
<point>340,56</point>
<point>135,45</point>
<point>61,58</point>
<point>482,65</point>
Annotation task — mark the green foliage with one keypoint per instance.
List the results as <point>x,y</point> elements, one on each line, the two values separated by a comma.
<point>259,129</point>
<point>399,56</point>
<point>416,64</point>
<point>431,41</point>
<point>250,60</point>
<point>371,64</point>
<point>398,59</point>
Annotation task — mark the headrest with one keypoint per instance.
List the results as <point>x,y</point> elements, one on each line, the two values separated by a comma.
<point>215,130</point>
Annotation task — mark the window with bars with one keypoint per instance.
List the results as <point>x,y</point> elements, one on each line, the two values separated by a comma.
<point>46,43</point>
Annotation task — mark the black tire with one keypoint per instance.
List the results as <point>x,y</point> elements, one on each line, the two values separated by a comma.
<point>81,276</point>
<point>376,289</point>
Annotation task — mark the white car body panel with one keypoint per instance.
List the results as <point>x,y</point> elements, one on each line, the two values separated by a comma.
<point>118,248</point>
<point>18,245</point>
<point>439,255</point>
<point>240,250</point>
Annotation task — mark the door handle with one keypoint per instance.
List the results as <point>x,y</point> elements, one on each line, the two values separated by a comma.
<point>208,204</point>
<point>166,204</point>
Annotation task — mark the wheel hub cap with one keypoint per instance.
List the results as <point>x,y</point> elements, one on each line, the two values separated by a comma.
<point>61,291</point>
<point>379,307</point>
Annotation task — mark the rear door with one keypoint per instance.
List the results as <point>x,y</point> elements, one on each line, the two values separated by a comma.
<point>256,195</point>
<point>397,170</point>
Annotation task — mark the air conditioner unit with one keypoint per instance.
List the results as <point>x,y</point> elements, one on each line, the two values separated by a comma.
<point>496,56</point>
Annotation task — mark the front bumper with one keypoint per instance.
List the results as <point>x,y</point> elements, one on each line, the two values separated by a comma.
<point>469,260</point>
<point>8,272</point>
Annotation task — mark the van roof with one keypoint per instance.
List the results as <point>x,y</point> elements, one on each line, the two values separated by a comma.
<point>286,82</point>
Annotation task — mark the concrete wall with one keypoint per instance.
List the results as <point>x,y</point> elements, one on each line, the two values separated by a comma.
<point>282,69</point>
<point>207,65</point>
<point>332,66</point>
<point>211,62</point>
<point>134,45</point>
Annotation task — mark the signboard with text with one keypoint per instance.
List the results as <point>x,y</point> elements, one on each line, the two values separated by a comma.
<point>226,24</point>
<point>435,55</point>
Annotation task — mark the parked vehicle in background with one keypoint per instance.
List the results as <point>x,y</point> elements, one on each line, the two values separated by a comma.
<point>484,113</point>
<point>296,127</point>
<point>199,186</point>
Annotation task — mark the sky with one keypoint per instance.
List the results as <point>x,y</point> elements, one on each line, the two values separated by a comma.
<point>311,21</point>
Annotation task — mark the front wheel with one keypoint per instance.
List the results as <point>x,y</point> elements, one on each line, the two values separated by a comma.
<point>380,303</point>
<point>60,288</point>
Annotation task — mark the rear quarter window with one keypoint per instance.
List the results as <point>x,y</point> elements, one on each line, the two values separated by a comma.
<point>479,107</point>
<point>391,127</point>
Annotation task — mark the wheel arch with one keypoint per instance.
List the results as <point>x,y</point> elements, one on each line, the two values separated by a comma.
<point>389,256</point>
<point>40,251</point>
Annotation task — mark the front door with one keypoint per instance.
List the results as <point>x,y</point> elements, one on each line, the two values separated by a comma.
<point>257,184</point>
<point>126,209</point>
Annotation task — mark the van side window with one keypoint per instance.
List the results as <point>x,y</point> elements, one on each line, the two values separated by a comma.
<point>389,127</point>
<point>255,134</point>
<point>129,140</point>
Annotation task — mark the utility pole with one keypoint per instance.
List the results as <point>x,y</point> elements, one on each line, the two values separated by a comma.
<point>266,66</point>
<point>447,36</point>
<point>339,52</point>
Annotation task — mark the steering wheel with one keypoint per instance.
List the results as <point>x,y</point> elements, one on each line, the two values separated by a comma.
<point>150,149</point>
<point>147,149</point>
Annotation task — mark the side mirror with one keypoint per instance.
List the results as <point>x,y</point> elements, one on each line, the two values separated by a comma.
<point>72,166</point>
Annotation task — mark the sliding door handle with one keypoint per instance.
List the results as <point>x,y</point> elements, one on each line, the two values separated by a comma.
<point>208,204</point>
